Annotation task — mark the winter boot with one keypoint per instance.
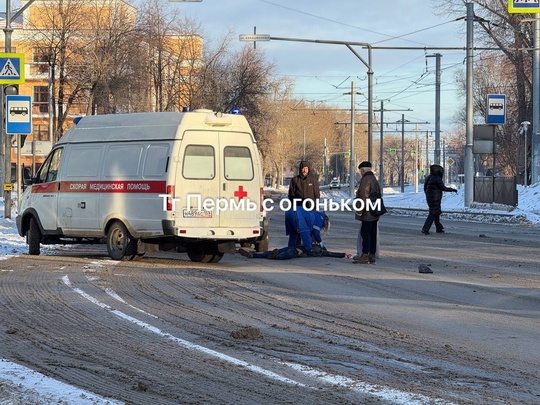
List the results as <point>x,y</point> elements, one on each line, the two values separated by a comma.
<point>371,258</point>
<point>362,259</point>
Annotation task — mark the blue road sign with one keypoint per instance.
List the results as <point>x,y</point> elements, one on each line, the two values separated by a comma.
<point>18,115</point>
<point>496,109</point>
<point>11,68</point>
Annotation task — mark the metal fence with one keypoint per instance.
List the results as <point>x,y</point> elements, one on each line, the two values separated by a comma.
<point>501,190</point>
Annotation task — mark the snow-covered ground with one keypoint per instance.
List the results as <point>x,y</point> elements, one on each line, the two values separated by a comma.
<point>22,385</point>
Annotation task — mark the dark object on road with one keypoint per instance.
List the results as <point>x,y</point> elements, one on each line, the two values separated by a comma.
<point>422,268</point>
<point>246,333</point>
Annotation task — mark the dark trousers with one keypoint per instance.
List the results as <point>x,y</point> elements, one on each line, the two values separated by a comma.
<point>368,231</point>
<point>283,254</point>
<point>429,221</point>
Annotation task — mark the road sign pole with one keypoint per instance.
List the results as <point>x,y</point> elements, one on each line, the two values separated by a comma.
<point>19,170</point>
<point>7,163</point>
<point>7,141</point>
<point>2,143</point>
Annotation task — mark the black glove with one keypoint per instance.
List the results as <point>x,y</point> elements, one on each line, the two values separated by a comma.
<point>454,190</point>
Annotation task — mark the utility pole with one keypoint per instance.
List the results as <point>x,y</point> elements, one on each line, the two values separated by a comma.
<point>352,154</point>
<point>403,121</point>
<point>416,162</point>
<point>437,152</point>
<point>7,139</point>
<point>427,152</point>
<point>469,162</point>
<point>381,146</point>
<point>402,171</point>
<point>381,150</point>
<point>352,165</point>
<point>304,154</point>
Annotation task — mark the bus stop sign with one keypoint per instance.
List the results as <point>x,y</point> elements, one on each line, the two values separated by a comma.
<point>18,115</point>
<point>496,109</point>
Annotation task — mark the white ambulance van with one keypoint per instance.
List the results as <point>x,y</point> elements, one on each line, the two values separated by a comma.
<point>147,181</point>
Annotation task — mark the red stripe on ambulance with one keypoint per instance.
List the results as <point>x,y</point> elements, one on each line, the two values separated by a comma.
<point>113,186</point>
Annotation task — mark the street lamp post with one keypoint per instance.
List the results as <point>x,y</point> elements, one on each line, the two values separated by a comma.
<point>402,169</point>
<point>368,64</point>
<point>523,130</point>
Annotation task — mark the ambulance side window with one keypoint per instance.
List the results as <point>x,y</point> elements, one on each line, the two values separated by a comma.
<point>83,161</point>
<point>157,158</point>
<point>123,161</point>
<point>49,169</point>
<point>199,162</point>
<point>238,163</point>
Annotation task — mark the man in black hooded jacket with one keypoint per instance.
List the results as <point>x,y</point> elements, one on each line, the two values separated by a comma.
<point>304,194</point>
<point>434,187</point>
<point>304,186</point>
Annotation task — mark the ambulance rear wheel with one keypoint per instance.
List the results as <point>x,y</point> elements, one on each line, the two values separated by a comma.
<point>120,244</point>
<point>33,237</point>
<point>202,252</point>
<point>217,257</point>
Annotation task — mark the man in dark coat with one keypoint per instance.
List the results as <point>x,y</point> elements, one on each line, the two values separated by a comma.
<point>434,187</point>
<point>368,229</point>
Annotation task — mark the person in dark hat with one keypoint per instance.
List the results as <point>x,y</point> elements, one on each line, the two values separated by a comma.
<point>434,187</point>
<point>368,229</point>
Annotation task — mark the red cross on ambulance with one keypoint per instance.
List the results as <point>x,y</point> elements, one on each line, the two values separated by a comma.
<point>240,193</point>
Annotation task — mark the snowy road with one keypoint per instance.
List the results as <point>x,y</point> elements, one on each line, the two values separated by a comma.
<point>323,330</point>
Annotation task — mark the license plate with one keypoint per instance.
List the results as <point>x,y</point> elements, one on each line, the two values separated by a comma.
<point>197,214</point>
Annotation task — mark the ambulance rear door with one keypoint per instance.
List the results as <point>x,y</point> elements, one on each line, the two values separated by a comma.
<point>221,170</point>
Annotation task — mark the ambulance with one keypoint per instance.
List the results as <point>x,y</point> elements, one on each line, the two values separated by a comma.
<point>143,182</point>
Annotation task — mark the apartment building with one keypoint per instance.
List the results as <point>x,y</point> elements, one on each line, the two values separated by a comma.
<point>87,57</point>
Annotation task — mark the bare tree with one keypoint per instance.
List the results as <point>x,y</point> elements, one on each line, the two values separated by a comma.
<point>54,27</point>
<point>114,72</point>
<point>507,70</point>
<point>87,45</point>
<point>174,54</point>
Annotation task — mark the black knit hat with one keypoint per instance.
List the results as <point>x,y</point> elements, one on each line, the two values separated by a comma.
<point>365,163</point>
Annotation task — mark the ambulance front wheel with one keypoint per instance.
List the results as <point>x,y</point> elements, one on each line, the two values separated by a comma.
<point>120,244</point>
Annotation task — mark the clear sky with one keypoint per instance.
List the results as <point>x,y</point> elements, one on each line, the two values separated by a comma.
<point>404,79</point>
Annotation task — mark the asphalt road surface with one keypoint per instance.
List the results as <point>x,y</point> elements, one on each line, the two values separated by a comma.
<point>164,330</point>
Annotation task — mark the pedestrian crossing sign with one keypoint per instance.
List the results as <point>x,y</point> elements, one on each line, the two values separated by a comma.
<point>524,6</point>
<point>11,68</point>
